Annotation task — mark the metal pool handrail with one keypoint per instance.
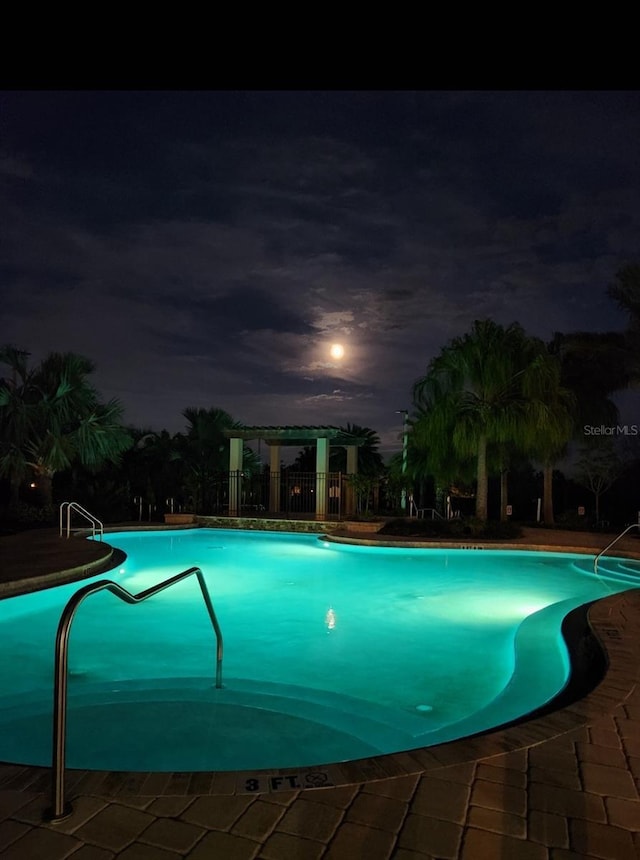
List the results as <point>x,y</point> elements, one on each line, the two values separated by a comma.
<point>60,810</point>
<point>95,522</point>
<point>609,545</point>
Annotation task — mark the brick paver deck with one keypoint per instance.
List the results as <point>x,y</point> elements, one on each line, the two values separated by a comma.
<point>563,786</point>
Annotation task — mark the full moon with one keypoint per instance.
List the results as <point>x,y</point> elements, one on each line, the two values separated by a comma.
<point>337,350</point>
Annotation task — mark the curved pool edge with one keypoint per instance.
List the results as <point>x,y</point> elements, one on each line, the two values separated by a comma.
<point>511,546</point>
<point>54,565</point>
<point>614,621</point>
<point>112,558</point>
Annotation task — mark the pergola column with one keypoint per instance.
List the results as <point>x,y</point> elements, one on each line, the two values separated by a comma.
<point>322,470</point>
<point>321,494</point>
<point>274,478</point>
<point>235,476</point>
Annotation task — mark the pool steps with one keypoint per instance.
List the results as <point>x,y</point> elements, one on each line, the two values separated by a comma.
<point>615,569</point>
<point>378,727</point>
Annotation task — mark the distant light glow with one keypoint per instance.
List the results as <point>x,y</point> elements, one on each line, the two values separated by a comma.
<point>337,350</point>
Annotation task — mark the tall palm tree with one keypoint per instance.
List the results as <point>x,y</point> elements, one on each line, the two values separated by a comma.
<point>503,458</point>
<point>548,441</point>
<point>51,417</point>
<point>436,458</point>
<point>484,387</point>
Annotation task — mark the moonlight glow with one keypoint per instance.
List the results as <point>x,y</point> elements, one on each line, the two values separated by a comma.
<point>337,350</point>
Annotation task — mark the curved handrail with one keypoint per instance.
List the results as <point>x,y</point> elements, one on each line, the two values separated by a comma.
<point>59,809</point>
<point>614,541</point>
<point>74,506</point>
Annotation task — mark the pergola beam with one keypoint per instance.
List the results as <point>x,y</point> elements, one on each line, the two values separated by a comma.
<point>295,435</point>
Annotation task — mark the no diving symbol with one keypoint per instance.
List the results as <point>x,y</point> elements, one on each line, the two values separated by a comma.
<point>317,779</point>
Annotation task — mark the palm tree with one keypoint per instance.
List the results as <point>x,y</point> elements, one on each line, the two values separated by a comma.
<point>152,469</point>
<point>52,417</point>
<point>590,366</point>
<point>548,441</point>
<point>625,291</point>
<point>15,397</point>
<point>593,365</point>
<point>484,387</point>
<point>370,461</point>
<point>204,449</point>
<point>428,457</point>
<point>504,457</point>
<point>305,460</point>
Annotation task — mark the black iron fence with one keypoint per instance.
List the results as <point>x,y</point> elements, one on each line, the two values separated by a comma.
<point>282,495</point>
<point>326,495</point>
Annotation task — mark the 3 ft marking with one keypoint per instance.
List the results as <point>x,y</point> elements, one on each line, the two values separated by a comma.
<point>278,783</point>
<point>275,783</point>
<point>288,781</point>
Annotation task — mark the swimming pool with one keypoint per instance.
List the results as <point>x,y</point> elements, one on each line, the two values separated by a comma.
<point>332,652</point>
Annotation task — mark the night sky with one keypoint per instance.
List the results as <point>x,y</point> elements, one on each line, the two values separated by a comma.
<point>208,248</point>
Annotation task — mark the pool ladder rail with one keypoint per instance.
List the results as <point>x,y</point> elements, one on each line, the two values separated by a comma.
<point>61,810</point>
<point>614,541</point>
<point>69,507</point>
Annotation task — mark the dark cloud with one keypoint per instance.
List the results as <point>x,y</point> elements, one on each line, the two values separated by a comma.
<point>207,248</point>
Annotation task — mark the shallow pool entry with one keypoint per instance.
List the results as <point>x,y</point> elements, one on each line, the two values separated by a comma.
<point>331,652</point>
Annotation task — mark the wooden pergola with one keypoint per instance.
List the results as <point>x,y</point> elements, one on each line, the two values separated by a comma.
<point>299,436</point>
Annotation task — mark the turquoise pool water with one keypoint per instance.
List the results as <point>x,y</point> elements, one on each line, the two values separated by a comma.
<point>331,652</point>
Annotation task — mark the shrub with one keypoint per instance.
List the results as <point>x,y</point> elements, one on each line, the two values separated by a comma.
<point>571,522</point>
<point>498,530</point>
<point>452,529</point>
<point>24,516</point>
<point>407,526</point>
